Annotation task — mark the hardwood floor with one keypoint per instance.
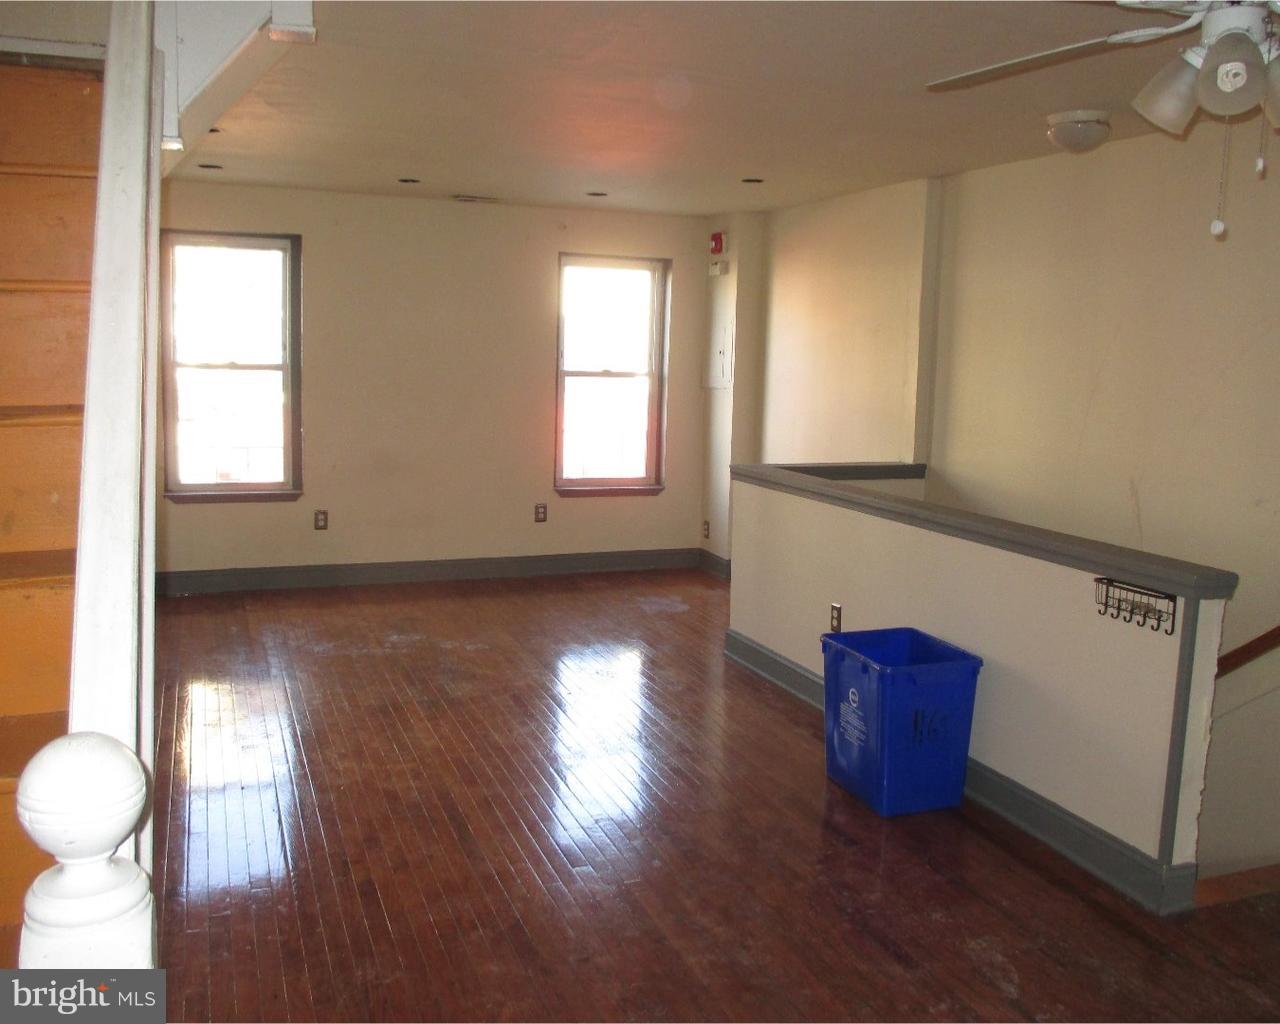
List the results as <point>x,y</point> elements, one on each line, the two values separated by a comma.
<point>554,799</point>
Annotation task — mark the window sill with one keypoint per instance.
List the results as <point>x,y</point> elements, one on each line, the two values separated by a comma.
<point>566,491</point>
<point>205,497</point>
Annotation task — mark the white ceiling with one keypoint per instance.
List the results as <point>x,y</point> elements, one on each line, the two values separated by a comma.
<point>665,106</point>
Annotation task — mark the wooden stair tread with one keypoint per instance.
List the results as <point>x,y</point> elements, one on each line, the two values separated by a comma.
<point>1238,885</point>
<point>19,567</point>
<point>26,284</point>
<point>41,415</point>
<point>21,736</point>
<point>50,170</point>
<point>10,931</point>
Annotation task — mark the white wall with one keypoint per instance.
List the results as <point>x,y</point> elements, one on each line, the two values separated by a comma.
<point>1240,826</point>
<point>736,301</point>
<point>1107,368</point>
<point>70,22</point>
<point>845,281</point>
<point>722,312</point>
<point>1103,367</point>
<point>749,234</point>
<point>429,359</point>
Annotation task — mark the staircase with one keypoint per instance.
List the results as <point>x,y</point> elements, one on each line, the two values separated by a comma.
<point>49,131</point>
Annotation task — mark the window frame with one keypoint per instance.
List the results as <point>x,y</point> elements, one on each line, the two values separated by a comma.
<point>653,482</point>
<point>290,489</point>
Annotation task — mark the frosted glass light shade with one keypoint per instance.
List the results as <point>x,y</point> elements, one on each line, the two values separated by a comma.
<point>1234,76</point>
<point>1168,101</point>
<point>1079,131</point>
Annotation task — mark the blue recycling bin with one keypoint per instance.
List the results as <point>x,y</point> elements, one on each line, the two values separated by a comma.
<point>899,709</point>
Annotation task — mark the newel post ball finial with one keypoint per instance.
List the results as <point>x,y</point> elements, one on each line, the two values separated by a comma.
<point>79,798</point>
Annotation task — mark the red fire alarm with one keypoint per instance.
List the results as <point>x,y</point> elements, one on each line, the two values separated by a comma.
<point>717,243</point>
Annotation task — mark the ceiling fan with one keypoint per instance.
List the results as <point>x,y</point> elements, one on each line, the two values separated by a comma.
<point>1234,67</point>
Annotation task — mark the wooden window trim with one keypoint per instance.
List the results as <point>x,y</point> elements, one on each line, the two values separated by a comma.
<point>619,490</point>
<point>207,497</point>
<point>653,482</point>
<point>290,489</point>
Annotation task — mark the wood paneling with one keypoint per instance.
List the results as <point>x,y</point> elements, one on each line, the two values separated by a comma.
<point>39,486</point>
<point>48,146</point>
<point>47,225</point>
<point>49,117</point>
<point>9,935</point>
<point>35,654</point>
<point>49,170</point>
<point>555,799</point>
<point>42,347</point>
<point>22,861</point>
<point>20,738</point>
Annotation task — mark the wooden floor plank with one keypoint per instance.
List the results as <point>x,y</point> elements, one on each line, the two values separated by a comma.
<point>555,799</point>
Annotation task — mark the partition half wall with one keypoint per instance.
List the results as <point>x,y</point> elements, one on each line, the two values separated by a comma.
<point>1091,727</point>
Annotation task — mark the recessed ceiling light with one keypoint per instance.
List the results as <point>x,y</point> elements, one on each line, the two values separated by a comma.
<point>597,194</point>
<point>409,181</point>
<point>215,131</point>
<point>753,181</point>
<point>210,167</point>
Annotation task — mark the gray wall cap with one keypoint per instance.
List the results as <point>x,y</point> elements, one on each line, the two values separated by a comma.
<point>1156,572</point>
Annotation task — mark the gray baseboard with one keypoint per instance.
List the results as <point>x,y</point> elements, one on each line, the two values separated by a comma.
<point>1161,888</point>
<point>774,667</point>
<point>293,577</point>
<point>714,564</point>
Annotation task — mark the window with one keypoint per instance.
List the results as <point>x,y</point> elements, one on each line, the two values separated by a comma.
<point>611,374</point>
<point>232,362</point>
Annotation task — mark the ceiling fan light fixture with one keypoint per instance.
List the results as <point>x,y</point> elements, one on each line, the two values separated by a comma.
<point>1078,131</point>
<point>1168,101</point>
<point>1234,76</point>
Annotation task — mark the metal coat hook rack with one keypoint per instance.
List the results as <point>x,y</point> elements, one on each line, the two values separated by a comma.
<point>1136,604</point>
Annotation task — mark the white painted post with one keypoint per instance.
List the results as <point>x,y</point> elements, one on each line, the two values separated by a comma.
<point>79,799</point>
<point>106,642</point>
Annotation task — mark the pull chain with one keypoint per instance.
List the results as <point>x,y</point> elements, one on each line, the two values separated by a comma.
<point>1219,227</point>
<point>1261,165</point>
<point>1268,47</point>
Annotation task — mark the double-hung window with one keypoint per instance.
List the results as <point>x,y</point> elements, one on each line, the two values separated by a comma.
<point>612,368</point>
<point>232,359</point>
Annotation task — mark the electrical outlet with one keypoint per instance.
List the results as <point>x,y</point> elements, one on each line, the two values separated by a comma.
<point>706,528</point>
<point>540,513</point>
<point>835,618</point>
<point>321,519</point>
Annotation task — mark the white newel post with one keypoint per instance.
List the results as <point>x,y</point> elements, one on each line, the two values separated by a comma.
<point>79,799</point>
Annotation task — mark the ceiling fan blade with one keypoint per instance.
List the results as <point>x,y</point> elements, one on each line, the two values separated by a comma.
<point>1019,64</point>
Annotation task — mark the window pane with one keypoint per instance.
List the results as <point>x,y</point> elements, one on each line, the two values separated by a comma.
<point>230,426</point>
<point>606,314</point>
<point>606,427</point>
<point>228,304</point>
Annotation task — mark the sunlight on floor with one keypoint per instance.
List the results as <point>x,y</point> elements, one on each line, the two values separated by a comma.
<point>237,763</point>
